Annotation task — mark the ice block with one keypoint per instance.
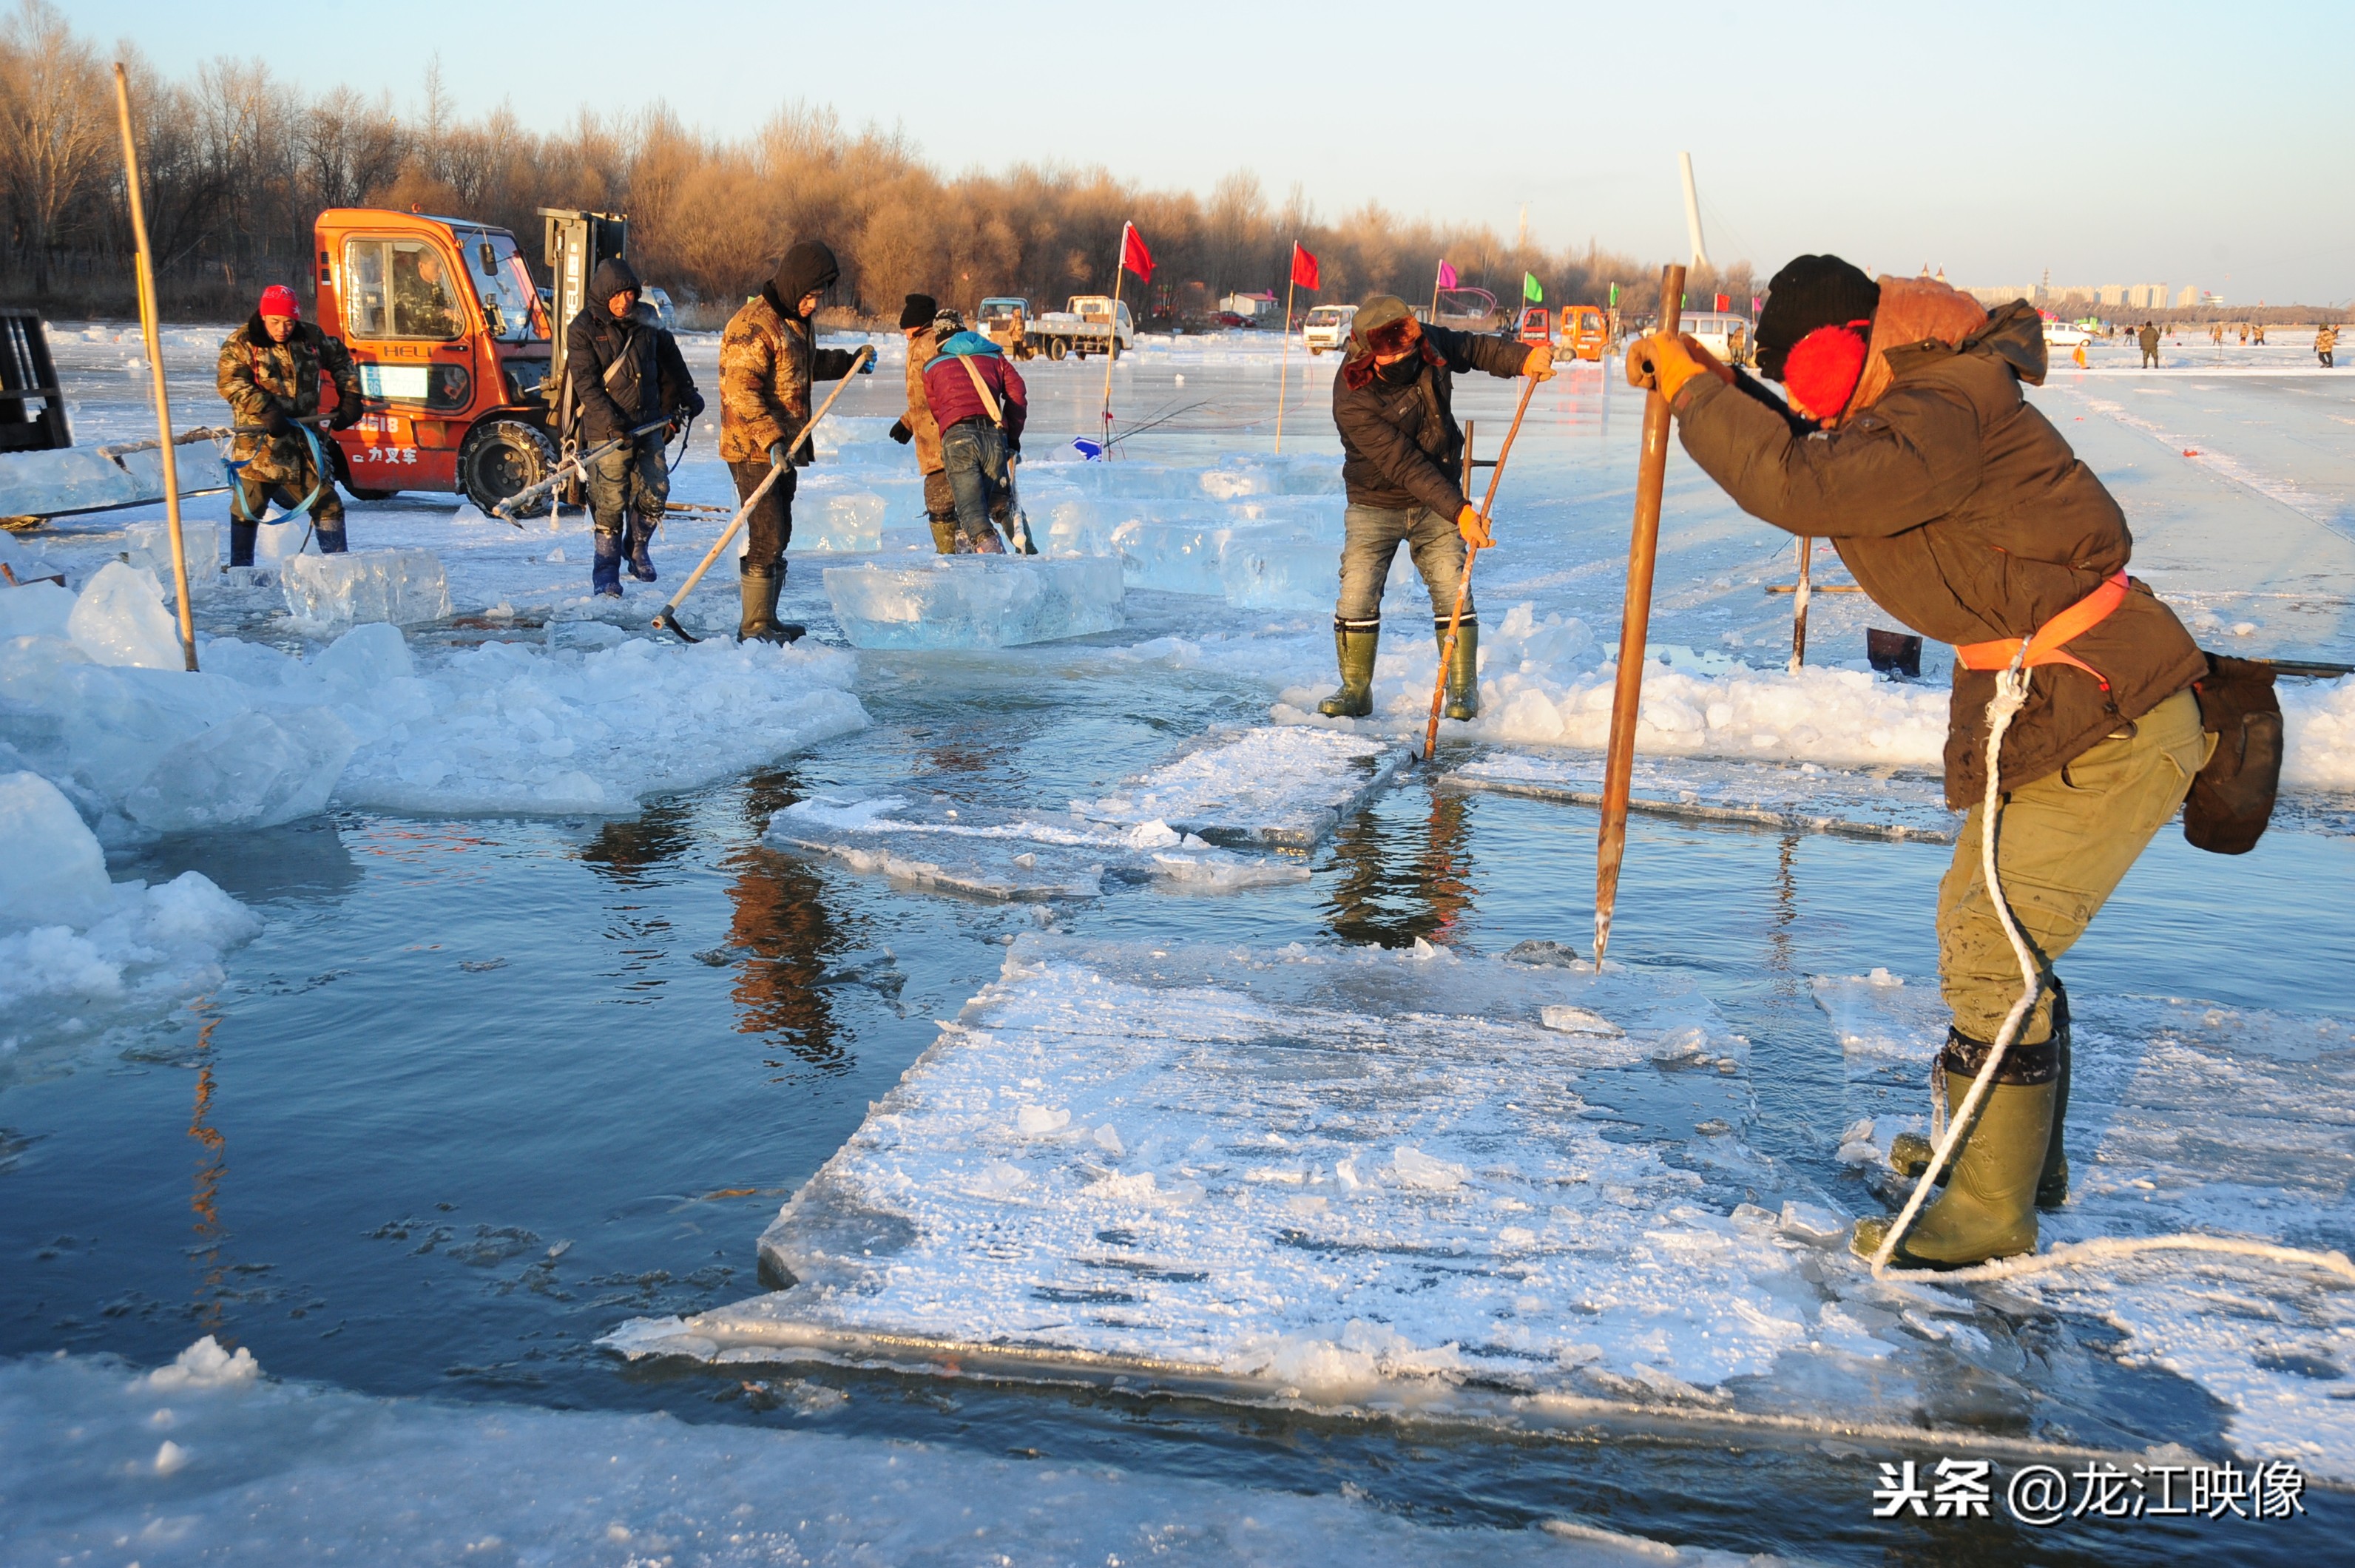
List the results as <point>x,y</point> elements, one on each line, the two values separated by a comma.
<point>842,525</point>
<point>977,601</point>
<point>150,546</point>
<point>402,586</point>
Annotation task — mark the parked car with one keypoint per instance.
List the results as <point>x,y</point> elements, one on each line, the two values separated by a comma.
<point>2061,335</point>
<point>1328,327</point>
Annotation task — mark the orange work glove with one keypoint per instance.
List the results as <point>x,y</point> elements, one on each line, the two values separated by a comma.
<point>1662,364</point>
<point>1474,528</point>
<point>1539,366</point>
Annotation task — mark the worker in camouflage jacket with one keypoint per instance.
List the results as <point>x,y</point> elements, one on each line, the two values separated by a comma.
<point>768,359</point>
<point>626,372</point>
<point>925,326</point>
<point>269,374</point>
<point>1906,440</point>
<point>1402,458</point>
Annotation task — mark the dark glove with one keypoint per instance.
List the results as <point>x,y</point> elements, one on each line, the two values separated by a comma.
<point>690,410</point>
<point>274,420</point>
<point>900,433</point>
<point>347,414</point>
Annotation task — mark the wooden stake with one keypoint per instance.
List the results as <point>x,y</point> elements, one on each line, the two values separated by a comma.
<point>168,452</point>
<point>1471,554</point>
<point>1799,604</point>
<point>1283,383</point>
<point>1635,624</point>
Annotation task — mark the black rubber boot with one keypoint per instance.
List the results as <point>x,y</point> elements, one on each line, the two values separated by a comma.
<point>331,541</point>
<point>642,565</point>
<point>2052,1187</point>
<point>240,541</point>
<point>605,566</point>
<point>1354,646</point>
<point>1463,670</point>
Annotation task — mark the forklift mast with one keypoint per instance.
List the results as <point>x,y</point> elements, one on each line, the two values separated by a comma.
<point>577,242</point>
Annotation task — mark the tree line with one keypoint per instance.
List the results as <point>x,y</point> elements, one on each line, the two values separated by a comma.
<point>237,162</point>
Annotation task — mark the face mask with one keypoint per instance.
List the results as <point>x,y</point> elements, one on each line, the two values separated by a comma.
<point>1403,372</point>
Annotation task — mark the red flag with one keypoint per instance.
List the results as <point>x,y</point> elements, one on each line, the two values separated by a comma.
<point>1132,253</point>
<point>1724,302</point>
<point>1304,267</point>
<point>1446,274</point>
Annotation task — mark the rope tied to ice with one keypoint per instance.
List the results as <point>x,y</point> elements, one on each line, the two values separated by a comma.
<point>2010,696</point>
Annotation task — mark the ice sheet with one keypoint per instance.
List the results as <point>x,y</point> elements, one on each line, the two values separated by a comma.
<point>1275,787</point>
<point>977,601</point>
<point>920,838</point>
<point>207,1461</point>
<point>2182,1117</point>
<point>79,953</point>
<point>1805,798</point>
<point>402,586</point>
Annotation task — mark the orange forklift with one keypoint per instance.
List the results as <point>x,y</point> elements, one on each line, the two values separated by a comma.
<point>460,360</point>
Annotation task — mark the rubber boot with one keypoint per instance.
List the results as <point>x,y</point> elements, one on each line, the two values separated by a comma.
<point>1989,1210</point>
<point>1354,647</point>
<point>240,541</point>
<point>331,541</point>
<point>944,535</point>
<point>642,565</point>
<point>606,568</point>
<point>1463,671</point>
<point>2052,1187</point>
<point>987,543</point>
<point>760,622</point>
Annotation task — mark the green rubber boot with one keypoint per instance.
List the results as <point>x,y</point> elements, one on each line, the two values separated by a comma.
<point>1355,647</point>
<point>944,534</point>
<point>1463,671</point>
<point>1988,1208</point>
<point>1909,1153</point>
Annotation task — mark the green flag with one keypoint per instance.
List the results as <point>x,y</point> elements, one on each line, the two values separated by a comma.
<point>1614,296</point>
<point>1530,290</point>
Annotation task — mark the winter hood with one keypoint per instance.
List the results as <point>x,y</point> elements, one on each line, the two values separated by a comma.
<point>809,268</point>
<point>613,276</point>
<point>965,342</point>
<point>1921,313</point>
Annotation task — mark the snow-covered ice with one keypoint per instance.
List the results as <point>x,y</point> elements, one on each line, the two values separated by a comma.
<point>1804,798</point>
<point>80,953</point>
<point>207,1460</point>
<point>1269,785</point>
<point>919,839</point>
<point>977,601</point>
<point>327,592</point>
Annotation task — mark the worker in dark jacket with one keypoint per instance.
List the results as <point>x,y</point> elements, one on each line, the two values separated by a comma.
<point>1962,512</point>
<point>2148,340</point>
<point>1402,455</point>
<point>768,359</point>
<point>980,403</point>
<point>268,373</point>
<point>924,324</point>
<point>625,373</point>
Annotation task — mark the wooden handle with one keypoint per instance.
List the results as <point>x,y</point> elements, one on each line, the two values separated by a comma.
<point>1471,554</point>
<point>1635,625</point>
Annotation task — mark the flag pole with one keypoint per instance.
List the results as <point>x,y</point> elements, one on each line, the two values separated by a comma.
<point>1112,329</point>
<point>1434,290</point>
<point>147,281</point>
<point>1283,383</point>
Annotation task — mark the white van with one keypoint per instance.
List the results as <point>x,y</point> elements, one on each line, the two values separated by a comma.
<point>1723,333</point>
<point>1328,327</point>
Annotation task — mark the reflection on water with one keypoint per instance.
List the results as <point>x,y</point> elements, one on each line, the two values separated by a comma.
<point>783,923</point>
<point>203,1198</point>
<point>627,848</point>
<point>1404,871</point>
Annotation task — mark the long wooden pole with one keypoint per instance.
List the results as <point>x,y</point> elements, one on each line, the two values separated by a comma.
<point>1635,625</point>
<point>1800,594</point>
<point>153,339</point>
<point>1112,330</point>
<point>1471,554</point>
<point>1284,382</point>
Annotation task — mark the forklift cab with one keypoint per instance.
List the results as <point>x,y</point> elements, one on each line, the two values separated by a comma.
<point>1585,331</point>
<point>460,356</point>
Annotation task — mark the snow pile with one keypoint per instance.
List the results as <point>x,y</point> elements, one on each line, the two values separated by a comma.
<point>402,586</point>
<point>2317,734</point>
<point>1282,787</point>
<point>988,853</point>
<point>976,602</point>
<point>510,727</point>
<point>78,951</point>
<point>2185,1118</point>
<point>106,1463</point>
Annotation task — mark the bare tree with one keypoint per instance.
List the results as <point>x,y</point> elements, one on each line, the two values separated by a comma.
<point>56,131</point>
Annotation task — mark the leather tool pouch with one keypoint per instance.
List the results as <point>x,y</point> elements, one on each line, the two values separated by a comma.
<point>2233,797</point>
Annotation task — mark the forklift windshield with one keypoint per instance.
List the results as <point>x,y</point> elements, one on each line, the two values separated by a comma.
<point>504,282</point>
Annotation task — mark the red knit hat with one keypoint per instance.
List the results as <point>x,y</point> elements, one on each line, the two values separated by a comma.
<point>279,299</point>
<point>1822,368</point>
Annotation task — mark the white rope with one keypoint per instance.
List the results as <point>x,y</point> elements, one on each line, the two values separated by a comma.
<point>2010,695</point>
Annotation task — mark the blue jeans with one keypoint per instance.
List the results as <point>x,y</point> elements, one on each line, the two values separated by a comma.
<point>1373,537</point>
<point>973,454</point>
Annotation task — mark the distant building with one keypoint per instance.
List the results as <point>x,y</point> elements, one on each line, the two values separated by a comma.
<point>2187,299</point>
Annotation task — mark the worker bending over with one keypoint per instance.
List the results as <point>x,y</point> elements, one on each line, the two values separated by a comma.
<point>981,404</point>
<point>1960,509</point>
<point>269,374</point>
<point>924,324</point>
<point>1402,453</point>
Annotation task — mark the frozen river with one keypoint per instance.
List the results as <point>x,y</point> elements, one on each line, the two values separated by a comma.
<point>501,1076</point>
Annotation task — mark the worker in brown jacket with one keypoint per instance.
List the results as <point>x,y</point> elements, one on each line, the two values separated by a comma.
<point>1962,512</point>
<point>924,323</point>
<point>768,358</point>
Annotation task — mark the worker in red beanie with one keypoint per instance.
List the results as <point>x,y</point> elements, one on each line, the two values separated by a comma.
<point>1908,440</point>
<point>268,373</point>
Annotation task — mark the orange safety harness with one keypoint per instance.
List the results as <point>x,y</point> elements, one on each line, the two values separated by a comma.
<point>2048,645</point>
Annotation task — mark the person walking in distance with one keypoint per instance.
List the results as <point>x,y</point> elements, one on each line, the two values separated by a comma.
<point>2149,338</point>
<point>625,373</point>
<point>924,323</point>
<point>2326,343</point>
<point>1930,467</point>
<point>981,403</point>
<point>1403,456</point>
<point>769,358</point>
<point>268,373</point>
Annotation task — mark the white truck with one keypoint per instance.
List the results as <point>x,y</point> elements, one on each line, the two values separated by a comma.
<point>1328,327</point>
<point>1087,327</point>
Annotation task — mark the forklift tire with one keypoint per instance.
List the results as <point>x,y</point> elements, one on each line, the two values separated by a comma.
<point>1057,348</point>
<point>501,456</point>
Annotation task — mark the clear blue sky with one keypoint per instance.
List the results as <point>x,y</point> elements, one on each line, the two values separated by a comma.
<point>2149,142</point>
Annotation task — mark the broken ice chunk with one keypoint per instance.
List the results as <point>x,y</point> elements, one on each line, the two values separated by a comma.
<point>844,525</point>
<point>402,586</point>
<point>150,546</point>
<point>977,601</point>
<point>1278,785</point>
<point>1566,1020</point>
<point>1038,1121</point>
<point>1417,1169</point>
<point>119,619</point>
